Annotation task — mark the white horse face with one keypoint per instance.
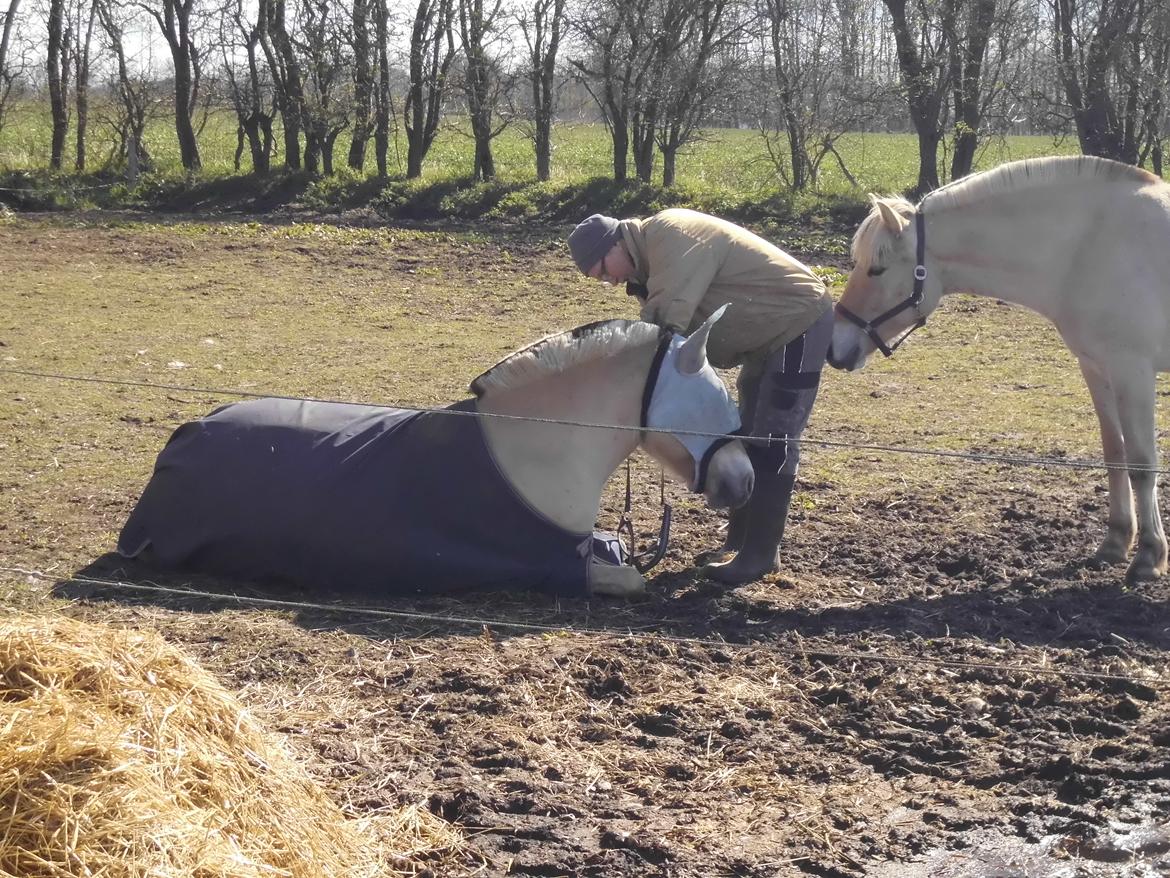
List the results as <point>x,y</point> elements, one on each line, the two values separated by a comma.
<point>689,398</point>
<point>882,277</point>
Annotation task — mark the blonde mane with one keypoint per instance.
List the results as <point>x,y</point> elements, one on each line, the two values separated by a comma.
<point>870,244</point>
<point>561,351</point>
<point>1031,174</point>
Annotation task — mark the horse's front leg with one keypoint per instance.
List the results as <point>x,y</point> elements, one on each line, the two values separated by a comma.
<point>1121,526</point>
<point>1133,384</point>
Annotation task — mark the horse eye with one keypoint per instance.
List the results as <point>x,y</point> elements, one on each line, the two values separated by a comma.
<point>875,270</point>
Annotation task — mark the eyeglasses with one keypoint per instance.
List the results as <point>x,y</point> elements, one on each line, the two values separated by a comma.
<point>602,270</point>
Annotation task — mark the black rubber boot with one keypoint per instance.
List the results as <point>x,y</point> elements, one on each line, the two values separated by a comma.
<point>732,538</point>
<point>767,513</point>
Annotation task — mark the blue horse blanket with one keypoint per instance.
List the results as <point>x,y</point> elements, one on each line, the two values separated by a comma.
<point>347,496</point>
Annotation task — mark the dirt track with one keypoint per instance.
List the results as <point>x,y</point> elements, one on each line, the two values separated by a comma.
<point>931,688</point>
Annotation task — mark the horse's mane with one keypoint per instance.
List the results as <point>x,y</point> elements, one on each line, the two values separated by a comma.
<point>560,351</point>
<point>868,244</point>
<point>1031,174</point>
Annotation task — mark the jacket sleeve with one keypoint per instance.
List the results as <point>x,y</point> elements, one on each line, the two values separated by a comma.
<point>678,281</point>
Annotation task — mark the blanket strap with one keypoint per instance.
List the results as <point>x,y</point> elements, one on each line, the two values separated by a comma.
<point>649,560</point>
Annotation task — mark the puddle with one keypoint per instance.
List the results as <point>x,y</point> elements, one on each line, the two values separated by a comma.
<point>1121,851</point>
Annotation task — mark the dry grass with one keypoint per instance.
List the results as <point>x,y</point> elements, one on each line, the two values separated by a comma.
<point>119,756</point>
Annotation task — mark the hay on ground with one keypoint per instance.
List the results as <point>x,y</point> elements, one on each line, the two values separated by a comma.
<point>119,756</point>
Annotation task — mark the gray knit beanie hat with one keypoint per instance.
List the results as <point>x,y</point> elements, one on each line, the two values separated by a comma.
<point>592,239</point>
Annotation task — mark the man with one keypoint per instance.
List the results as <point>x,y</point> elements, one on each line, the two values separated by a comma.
<point>682,265</point>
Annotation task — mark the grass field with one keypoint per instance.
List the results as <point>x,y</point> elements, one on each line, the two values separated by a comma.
<point>726,166</point>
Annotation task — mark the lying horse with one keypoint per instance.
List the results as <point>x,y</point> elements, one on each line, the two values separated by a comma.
<point>1083,241</point>
<point>387,500</point>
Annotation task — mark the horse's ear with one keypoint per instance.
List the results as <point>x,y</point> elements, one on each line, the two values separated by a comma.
<point>692,356</point>
<point>891,219</point>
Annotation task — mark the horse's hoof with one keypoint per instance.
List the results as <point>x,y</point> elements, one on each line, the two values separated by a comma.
<point>1138,573</point>
<point>1109,554</point>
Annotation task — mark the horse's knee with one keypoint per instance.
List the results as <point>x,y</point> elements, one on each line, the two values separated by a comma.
<point>616,581</point>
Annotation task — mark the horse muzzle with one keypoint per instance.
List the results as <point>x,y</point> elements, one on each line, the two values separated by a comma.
<point>845,350</point>
<point>732,490</point>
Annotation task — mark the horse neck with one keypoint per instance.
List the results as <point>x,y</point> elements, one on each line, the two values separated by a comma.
<point>1014,246</point>
<point>560,469</point>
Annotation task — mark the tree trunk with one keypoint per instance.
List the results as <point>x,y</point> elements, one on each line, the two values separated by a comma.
<point>384,108</point>
<point>81,80</point>
<point>184,130</point>
<point>643,145</point>
<point>620,135</point>
<point>797,150</point>
<point>57,60</point>
<point>669,154</point>
<point>543,144</point>
<point>363,85</point>
<point>254,126</point>
<point>286,74</point>
<point>6,35</point>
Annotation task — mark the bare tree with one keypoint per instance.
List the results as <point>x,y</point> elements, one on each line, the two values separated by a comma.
<point>806,100</point>
<point>922,53</point>
<point>6,44</point>
<point>541,23</point>
<point>483,79</point>
<point>364,71</point>
<point>132,90</point>
<point>690,83</point>
<point>251,92</point>
<point>322,46</point>
<point>83,42</point>
<point>969,27</point>
<point>1090,45</point>
<point>288,82</point>
<point>432,52</point>
<point>383,100</point>
<point>616,65</point>
<point>1158,74</point>
<point>57,60</point>
<point>177,23</point>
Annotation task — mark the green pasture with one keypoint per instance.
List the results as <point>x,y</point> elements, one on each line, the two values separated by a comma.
<point>723,170</point>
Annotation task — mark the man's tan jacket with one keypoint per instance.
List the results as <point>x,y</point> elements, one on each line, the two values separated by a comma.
<point>692,263</point>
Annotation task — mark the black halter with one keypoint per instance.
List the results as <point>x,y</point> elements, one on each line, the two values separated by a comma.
<point>914,300</point>
<point>643,563</point>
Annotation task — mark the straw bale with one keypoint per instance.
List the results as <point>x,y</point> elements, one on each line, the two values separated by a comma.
<point>119,756</point>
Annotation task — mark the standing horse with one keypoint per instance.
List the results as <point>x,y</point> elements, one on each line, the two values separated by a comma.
<point>499,491</point>
<point>1083,241</point>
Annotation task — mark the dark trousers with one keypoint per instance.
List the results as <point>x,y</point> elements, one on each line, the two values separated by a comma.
<point>776,396</point>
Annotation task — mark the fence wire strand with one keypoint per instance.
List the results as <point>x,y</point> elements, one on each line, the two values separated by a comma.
<point>802,650</point>
<point>1007,460</point>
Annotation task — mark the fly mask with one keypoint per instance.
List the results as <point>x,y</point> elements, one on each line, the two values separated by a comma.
<point>687,397</point>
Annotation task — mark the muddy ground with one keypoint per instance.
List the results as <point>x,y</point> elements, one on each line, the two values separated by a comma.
<point>935,685</point>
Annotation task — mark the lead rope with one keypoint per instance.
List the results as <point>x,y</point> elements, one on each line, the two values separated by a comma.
<point>626,526</point>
